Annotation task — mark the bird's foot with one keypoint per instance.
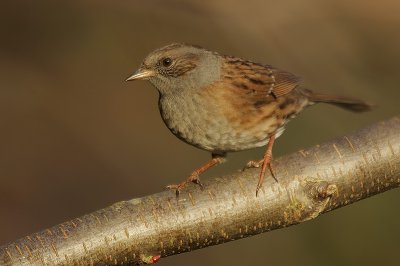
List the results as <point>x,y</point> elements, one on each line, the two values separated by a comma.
<point>194,178</point>
<point>264,163</point>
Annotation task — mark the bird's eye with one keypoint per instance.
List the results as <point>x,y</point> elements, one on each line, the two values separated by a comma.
<point>167,62</point>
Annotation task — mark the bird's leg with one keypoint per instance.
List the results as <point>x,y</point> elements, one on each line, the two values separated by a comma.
<point>194,176</point>
<point>267,162</point>
<point>263,163</point>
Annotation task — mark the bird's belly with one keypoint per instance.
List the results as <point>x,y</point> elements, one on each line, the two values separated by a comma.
<point>209,130</point>
<point>219,138</point>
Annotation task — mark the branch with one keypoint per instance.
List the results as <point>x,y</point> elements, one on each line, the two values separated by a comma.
<point>311,182</point>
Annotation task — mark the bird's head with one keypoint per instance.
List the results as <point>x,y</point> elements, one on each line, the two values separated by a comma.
<point>179,67</point>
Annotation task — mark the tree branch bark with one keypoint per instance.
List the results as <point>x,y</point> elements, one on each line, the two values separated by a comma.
<point>311,182</point>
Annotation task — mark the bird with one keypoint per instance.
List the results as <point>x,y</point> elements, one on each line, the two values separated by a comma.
<point>221,103</point>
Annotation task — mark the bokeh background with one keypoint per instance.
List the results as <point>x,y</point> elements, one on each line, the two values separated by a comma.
<point>75,137</point>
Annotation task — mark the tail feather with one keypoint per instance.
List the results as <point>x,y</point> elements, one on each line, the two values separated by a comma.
<point>350,104</point>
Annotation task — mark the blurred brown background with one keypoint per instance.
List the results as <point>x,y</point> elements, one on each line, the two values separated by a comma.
<point>75,137</point>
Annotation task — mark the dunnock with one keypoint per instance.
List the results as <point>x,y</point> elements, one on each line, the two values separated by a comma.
<point>223,104</point>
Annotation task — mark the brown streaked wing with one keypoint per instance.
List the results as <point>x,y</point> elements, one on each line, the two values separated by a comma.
<point>257,79</point>
<point>285,82</point>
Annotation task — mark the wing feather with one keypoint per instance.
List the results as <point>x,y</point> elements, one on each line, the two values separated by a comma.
<point>257,79</point>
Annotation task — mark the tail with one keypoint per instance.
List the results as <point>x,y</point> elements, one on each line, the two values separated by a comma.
<point>350,104</point>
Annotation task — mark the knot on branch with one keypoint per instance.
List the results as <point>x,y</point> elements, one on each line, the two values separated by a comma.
<point>321,190</point>
<point>319,193</point>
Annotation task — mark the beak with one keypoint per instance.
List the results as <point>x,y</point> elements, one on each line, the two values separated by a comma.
<point>142,74</point>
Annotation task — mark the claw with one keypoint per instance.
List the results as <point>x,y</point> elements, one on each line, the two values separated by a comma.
<point>197,182</point>
<point>257,189</point>
<point>194,177</point>
<point>272,172</point>
<point>177,188</point>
